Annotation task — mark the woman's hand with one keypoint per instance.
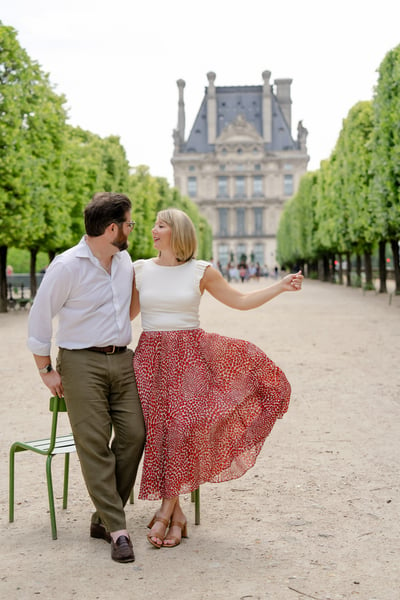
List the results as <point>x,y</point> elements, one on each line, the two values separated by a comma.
<point>292,282</point>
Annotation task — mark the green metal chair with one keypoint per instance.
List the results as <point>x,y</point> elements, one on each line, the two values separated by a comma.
<point>63,444</point>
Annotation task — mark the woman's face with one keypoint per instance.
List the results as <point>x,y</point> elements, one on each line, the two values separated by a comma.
<point>161,235</point>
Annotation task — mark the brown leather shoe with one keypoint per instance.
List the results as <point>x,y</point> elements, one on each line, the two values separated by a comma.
<point>122,550</point>
<point>97,530</point>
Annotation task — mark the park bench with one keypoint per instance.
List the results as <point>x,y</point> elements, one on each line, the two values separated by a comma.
<point>16,296</point>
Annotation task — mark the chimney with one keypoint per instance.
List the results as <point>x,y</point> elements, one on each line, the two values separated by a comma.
<point>267,108</point>
<point>211,109</point>
<point>181,111</point>
<point>284,99</point>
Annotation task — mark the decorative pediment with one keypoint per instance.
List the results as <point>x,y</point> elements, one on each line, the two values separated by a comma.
<point>239,131</point>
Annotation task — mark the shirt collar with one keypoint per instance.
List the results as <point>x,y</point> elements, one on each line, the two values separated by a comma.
<point>84,251</point>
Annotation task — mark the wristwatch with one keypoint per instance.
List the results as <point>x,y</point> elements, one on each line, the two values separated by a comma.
<point>46,369</point>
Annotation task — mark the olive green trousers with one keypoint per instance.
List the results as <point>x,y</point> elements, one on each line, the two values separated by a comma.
<point>107,422</point>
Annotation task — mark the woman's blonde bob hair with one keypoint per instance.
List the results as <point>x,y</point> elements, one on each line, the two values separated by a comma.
<point>183,233</point>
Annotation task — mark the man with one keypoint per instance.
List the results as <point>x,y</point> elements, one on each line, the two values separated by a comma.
<point>89,287</point>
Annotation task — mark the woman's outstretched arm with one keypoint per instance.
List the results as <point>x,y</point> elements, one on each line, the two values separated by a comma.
<point>220,289</point>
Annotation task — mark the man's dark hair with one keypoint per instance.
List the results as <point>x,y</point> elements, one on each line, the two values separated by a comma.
<point>103,209</point>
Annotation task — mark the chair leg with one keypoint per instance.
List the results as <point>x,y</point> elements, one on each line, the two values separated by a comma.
<point>11,486</point>
<point>195,497</point>
<point>51,497</point>
<point>66,478</point>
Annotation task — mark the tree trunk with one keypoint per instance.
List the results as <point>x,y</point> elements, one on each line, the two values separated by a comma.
<point>348,268</point>
<point>358,270</point>
<point>369,285</point>
<point>382,267</point>
<point>321,269</point>
<point>325,267</point>
<point>396,263</point>
<point>33,280</point>
<point>314,268</point>
<point>340,269</point>
<point>3,279</point>
<point>332,270</point>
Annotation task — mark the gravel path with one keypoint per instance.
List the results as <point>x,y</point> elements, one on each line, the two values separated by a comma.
<point>317,517</point>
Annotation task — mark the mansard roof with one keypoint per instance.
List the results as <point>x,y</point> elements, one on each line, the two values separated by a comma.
<point>235,101</point>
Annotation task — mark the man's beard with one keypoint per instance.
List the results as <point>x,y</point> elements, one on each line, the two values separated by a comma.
<point>120,243</point>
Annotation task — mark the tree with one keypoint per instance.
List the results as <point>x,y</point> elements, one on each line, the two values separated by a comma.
<point>31,134</point>
<point>386,153</point>
<point>352,186</point>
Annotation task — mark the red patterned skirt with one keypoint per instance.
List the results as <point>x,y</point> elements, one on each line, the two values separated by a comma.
<point>209,402</point>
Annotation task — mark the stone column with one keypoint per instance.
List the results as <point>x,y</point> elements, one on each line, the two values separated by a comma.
<point>284,99</point>
<point>211,109</point>
<point>181,111</point>
<point>267,108</point>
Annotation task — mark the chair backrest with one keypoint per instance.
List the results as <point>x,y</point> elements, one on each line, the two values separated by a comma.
<point>56,405</point>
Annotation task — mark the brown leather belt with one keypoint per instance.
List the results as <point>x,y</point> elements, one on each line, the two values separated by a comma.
<point>107,349</point>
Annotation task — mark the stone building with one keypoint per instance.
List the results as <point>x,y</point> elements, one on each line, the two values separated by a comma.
<point>240,164</point>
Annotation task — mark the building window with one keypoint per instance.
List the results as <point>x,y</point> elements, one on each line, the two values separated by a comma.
<point>287,167</point>
<point>240,187</point>
<point>192,168</point>
<point>241,255</point>
<point>257,186</point>
<point>192,187</point>
<point>258,220</point>
<point>240,224</point>
<point>288,185</point>
<point>259,254</point>
<point>222,167</point>
<point>257,167</point>
<point>223,254</point>
<point>223,221</point>
<point>222,187</point>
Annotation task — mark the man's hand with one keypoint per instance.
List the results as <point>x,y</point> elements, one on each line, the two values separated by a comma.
<point>53,381</point>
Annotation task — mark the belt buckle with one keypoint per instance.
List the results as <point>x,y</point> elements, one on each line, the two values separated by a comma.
<point>113,351</point>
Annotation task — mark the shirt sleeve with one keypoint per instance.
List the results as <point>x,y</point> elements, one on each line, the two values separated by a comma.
<point>138,269</point>
<point>51,296</point>
<point>201,266</point>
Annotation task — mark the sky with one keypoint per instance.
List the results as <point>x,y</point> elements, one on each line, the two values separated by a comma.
<point>117,62</point>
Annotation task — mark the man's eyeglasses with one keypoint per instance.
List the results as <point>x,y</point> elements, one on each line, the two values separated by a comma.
<point>131,224</point>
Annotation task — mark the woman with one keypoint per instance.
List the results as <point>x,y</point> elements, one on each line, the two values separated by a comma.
<point>208,401</point>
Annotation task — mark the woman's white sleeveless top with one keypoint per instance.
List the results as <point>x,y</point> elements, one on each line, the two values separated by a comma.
<point>169,296</point>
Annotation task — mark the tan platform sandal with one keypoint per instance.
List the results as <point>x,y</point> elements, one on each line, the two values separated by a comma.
<point>165,522</point>
<point>177,541</point>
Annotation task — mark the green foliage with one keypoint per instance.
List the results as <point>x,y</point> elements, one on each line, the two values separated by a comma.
<point>20,260</point>
<point>386,145</point>
<point>352,181</point>
<point>90,164</point>
<point>352,203</point>
<point>149,195</point>
<point>296,231</point>
<point>49,171</point>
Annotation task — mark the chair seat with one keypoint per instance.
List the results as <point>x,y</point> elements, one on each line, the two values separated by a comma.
<point>63,444</point>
